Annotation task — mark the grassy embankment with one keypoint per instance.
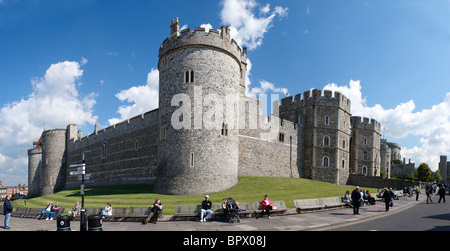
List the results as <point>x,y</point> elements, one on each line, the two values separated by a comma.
<point>249,189</point>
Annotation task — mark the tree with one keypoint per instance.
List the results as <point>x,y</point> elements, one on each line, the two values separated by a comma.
<point>423,172</point>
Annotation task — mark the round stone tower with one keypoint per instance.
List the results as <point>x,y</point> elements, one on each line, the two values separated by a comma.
<point>53,172</point>
<point>34,170</point>
<point>201,77</point>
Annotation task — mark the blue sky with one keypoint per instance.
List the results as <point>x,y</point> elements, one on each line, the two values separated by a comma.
<point>84,61</point>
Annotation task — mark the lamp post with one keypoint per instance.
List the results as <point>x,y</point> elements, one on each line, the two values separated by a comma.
<point>81,171</point>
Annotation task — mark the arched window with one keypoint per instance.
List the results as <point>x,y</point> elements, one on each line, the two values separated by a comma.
<point>343,144</point>
<point>325,161</point>
<point>326,141</point>
<point>365,141</point>
<point>364,170</point>
<point>327,120</point>
<point>366,157</point>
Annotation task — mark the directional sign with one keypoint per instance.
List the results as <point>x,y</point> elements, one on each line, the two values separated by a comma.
<point>77,173</point>
<point>77,165</point>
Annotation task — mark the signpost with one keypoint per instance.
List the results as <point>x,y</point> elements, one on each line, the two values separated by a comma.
<point>81,170</point>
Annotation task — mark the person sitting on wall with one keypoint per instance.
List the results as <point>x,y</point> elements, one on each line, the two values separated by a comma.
<point>206,208</point>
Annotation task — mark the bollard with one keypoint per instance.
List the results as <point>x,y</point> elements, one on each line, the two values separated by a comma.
<point>95,222</point>
<point>63,223</point>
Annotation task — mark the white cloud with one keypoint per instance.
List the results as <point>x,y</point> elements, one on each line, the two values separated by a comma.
<point>54,103</point>
<point>431,125</point>
<point>144,98</point>
<point>248,25</point>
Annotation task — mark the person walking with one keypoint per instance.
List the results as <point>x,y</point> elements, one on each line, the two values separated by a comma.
<point>7,210</point>
<point>387,196</point>
<point>356,200</point>
<point>429,193</point>
<point>441,193</point>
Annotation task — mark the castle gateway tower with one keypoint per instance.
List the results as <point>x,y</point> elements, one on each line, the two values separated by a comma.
<point>201,77</point>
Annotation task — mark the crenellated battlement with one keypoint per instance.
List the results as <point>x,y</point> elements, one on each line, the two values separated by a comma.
<point>199,37</point>
<point>365,123</point>
<point>316,97</point>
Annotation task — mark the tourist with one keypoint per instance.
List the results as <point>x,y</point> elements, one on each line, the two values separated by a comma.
<point>47,210</point>
<point>75,211</point>
<point>387,196</point>
<point>7,210</point>
<point>417,189</point>
<point>107,211</point>
<point>429,192</point>
<point>356,200</point>
<point>55,210</point>
<point>370,198</point>
<point>441,193</point>
<point>156,210</point>
<point>206,208</point>
<point>348,199</point>
<point>267,206</point>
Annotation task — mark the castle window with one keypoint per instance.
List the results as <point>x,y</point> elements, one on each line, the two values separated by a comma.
<point>343,163</point>
<point>281,137</point>
<point>365,156</point>
<point>191,160</point>
<point>326,141</point>
<point>189,77</point>
<point>325,161</point>
<point>343,144</point>
<point>104,150</point>
<point>224,131</point>
<point>327,120</point>
<point>162,133</point>
<point>364,170</point>
<point>365,141</point>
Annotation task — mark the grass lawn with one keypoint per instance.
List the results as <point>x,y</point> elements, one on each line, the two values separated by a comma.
<point>249,189</point>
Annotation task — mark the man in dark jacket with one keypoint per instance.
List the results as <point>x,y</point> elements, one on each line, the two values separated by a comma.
<point>206,208</point>
<point>356,200</point>
<point>387,196</point>
<point>7,209</point>
<point>441,193</point>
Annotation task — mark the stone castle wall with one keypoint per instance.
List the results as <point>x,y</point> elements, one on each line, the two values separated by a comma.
<point>125,153</point>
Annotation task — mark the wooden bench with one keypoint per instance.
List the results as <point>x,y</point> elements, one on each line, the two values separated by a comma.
<point>37,212</point>
<point>280,206</point>
<point>331,202</point>
<point>308,205</point>
<point>139,213</point>
<point>118,213</point>
<point>187,212</point>
<point>20,211</point>
<point>220,212</point>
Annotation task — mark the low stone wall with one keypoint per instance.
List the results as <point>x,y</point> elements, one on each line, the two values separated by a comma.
<point>381,182</point>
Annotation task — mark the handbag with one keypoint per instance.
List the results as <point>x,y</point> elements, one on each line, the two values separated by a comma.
<point>391,204</point>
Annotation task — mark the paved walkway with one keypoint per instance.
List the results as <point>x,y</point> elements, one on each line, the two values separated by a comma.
<point>319,220</point>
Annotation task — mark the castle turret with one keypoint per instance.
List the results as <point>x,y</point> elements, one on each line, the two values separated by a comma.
<point>34,170</point>
<point>365,156</point>
<point>327,133</point>
<point>53,172</point>
<point>198,136</point>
